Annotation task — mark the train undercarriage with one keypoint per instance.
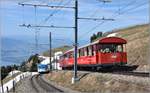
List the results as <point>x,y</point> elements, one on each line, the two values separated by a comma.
<point>103,68</point>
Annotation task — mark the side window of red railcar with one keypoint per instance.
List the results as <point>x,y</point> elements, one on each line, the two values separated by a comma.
<point>71,55</point>
<point>94,49</point>
<point>87,50</point>
<point>119,48</point>
<point>90,50</point>
<point>81,52</point>
<point>64,56</point>
<point>124,48</point>
<point>78,53</point>
<point>110,48</point>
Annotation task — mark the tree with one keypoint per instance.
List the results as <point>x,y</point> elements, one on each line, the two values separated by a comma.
<point>91,39</point>
<point>23,66</point>
<point>4,72</point>
<point>33,67</point>
<point>34,63</point>
<point>99,34</point>
<point>94,36</point>
<point>15,67</point>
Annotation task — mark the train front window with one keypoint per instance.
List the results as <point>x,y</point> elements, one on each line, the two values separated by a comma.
<point>110,48</point>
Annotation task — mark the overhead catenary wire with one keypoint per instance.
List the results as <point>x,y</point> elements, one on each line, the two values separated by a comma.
<point>54,12</point>
<point>23,1</point>
<point>96,11</point>
<point>119,6</point>
<point>133,8</point>
<point>115,15</point>
<point>51,14</point>
<point>124,7</point>
<point>23,17</point>
<point>36,30</point>
<point>20,56</point>
<point>117,12</point>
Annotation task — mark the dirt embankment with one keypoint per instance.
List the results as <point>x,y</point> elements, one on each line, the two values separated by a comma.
<point>101,82</point>
<point>138,46</point>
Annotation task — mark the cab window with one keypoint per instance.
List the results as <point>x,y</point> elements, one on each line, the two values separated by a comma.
<point>110,48</point>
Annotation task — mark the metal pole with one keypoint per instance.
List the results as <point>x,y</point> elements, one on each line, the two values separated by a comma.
<point>13,86</point>
<point>76,42</point>
<point>149,37</point>
<point>7,89</point>
<point>36,41</point>
<point>56,63</point>
<point>2,85</point>
<point>50,51</point>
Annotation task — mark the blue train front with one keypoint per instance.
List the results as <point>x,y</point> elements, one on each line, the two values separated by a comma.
<point>43,68</point>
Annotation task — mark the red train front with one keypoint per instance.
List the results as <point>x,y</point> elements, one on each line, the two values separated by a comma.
<point>105,52</point>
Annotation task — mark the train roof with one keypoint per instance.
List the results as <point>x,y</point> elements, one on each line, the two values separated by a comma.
<point>105,40</point>
<point>112,40</point>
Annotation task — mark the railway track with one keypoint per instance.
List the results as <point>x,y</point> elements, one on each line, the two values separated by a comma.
<point>128,70</point>
<point>138,74</point>
<point>119,70</point>
<point>41,86</point>
<point>126,73</point>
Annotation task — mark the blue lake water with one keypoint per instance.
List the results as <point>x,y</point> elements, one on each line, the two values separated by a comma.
<point>15,50</point>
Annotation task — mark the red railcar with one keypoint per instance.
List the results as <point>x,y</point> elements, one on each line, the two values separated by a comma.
<point>108,51</point>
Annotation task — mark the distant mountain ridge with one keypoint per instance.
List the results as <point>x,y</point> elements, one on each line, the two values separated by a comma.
<point>13,51</point>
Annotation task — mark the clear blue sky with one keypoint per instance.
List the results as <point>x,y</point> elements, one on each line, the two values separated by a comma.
<point>131,12</point>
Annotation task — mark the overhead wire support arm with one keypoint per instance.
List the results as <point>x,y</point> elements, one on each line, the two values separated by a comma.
<point>45,6</point>
<point>52,26</point>
<point>105,1</point>
<point>96,19</point>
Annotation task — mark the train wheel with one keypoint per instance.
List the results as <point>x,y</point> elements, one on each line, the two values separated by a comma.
<point>63,68</point>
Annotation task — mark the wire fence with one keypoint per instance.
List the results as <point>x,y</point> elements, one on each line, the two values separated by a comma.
<point>10,85</point>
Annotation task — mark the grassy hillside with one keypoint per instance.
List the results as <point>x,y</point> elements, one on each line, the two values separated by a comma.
<point>138,45</point>
<point>62,48</point>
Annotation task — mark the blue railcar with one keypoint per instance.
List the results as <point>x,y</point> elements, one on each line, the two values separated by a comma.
<point>42,68</point>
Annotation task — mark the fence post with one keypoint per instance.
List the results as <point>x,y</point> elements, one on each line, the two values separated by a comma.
<point>20,79</point>
<point>13,86</point>
<point>2,85</point>
<point>7,89</point>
